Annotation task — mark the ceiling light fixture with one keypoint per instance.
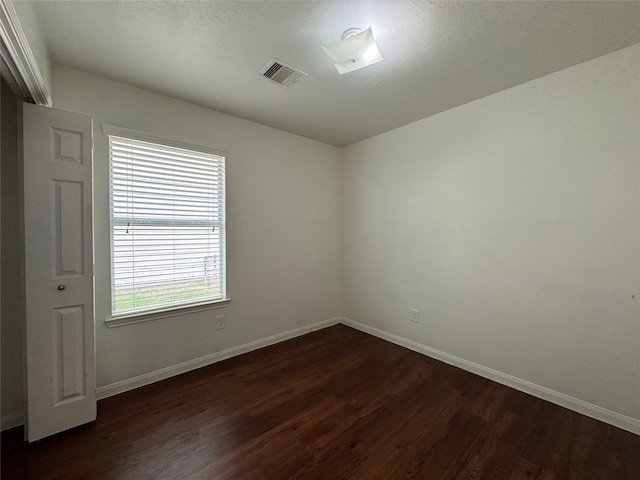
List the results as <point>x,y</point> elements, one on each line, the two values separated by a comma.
<point>356,50</point>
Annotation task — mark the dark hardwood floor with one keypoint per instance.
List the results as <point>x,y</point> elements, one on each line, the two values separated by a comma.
<point>334,404</point>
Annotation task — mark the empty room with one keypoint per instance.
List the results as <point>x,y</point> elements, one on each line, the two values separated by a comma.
<point>320,240</point>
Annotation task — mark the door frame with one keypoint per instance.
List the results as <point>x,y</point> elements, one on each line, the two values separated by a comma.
<point>19,59</point>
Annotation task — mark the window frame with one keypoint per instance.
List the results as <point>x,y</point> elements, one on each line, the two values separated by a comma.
<point>131,317</point>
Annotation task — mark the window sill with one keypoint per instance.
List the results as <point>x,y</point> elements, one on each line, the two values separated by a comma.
<point>128,319</point>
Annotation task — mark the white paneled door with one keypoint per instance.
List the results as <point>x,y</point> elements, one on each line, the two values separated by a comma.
<point>58,228</point>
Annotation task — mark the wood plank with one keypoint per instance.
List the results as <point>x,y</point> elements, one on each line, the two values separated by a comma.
<point>333,404</point>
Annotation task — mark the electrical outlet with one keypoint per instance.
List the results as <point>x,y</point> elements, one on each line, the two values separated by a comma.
<point>415,315</point>
<point>221,322</point>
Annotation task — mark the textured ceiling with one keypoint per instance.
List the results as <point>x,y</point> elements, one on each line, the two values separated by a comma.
<point>437,54</point>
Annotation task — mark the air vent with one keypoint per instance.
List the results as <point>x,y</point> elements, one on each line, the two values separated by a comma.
<point>282,73</point>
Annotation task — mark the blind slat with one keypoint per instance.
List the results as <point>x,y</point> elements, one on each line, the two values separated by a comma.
<point>142,159</point>
<point>192,154</point>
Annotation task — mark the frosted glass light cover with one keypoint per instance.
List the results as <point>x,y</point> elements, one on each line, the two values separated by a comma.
<point>354,52</point>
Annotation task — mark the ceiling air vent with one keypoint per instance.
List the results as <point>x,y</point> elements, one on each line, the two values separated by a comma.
<point>282,73</point>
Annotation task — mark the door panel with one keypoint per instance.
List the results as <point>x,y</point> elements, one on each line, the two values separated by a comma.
<point>66,218</point>
<point>68,333</point>
<point>58,228</point>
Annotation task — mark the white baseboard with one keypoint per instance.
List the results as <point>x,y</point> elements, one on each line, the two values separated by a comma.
<point>599,413</point>
<point>163,373</point>
<point>566,401</point>
<point>11,420</point>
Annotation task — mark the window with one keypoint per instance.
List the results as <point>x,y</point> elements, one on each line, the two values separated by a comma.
<point>167,226</point>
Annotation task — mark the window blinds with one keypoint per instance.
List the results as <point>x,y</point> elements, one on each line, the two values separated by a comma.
<point>167,226</point>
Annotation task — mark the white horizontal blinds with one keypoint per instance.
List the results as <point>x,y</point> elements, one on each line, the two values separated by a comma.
<point>167,225</point>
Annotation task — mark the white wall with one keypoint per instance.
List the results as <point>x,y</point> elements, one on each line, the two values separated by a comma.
<point>283,237</point>
<point>513,224</point>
